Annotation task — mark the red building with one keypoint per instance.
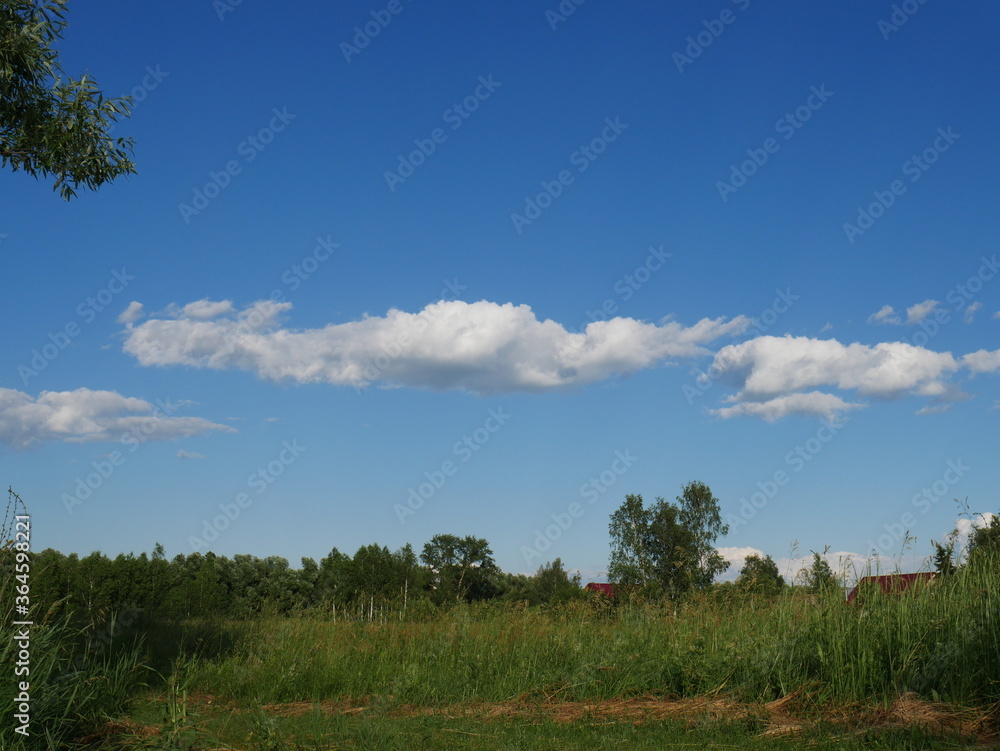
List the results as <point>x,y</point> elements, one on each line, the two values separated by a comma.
<point>890,584</point>
<point>608,590</point>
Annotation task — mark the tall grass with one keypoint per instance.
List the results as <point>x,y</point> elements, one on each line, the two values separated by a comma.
<point>75,683</point>
<point>942,642</point>
<point>79,672</point>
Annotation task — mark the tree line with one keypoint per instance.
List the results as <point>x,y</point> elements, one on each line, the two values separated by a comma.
<point>662,550</point>
<point>450,569</point>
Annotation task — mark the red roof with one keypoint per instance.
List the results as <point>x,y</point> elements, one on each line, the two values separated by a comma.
<point>605,589</point>
<point>890,583</point>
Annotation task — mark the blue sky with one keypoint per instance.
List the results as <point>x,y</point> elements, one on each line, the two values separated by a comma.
<point>538,258</point>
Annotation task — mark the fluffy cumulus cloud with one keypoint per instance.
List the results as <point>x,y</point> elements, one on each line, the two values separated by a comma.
<point>964,526</point>
<point>202,310</point>
<point>917,313</point>
<point>778,376</point>
<point>846,566</point>
<point>737,557</point>
<point>934,409</point>
<point>482,347</point>
<point>132,313</point>
<point>970,312</point>
<point>886,314</point>
<point>983,361</point>
<point>814,403</point>
<point>86,415</point>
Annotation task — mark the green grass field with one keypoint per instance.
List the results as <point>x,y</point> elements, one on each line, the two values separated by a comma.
<point>915,671</point>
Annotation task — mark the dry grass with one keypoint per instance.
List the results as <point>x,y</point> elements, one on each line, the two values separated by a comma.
<point>789,715</point>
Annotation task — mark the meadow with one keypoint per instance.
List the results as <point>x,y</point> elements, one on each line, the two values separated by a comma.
<point>921,670</point>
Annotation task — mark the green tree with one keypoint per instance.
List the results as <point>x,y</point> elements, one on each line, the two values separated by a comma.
<point>984,543</point>
<point>374,573</point>
<point>552,584</point>
<point>650,548</point>
<point>666,548</point>
<point>50,124</point>
<point>818,577</point>
<point>701,516</point>
<point>308,576</point>
<point>463,567</point>
<point>49,581</point>
<point>195,588</point>
<point>760,576</point>
<point>91,583</point>
<point>411,577</point>
<point>333,582</point>
<point>944,557</point>
<point>632,557</point>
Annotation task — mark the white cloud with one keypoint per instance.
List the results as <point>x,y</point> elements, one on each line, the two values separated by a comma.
<point>482,347</point>
<point>935,409</point>
<point>737,557</point>
<point>86,415</point>
<point>132,313</point>
<point>963,531</point>
<point>886,314</point>
<point>182,454</point>
<point>964,525</point>
<point>971,311</point>
<point>983,361</point>
<point>772,374</point>
<point>844,564</point>
<point>203,310</point>
<point>997,314</point>
<point>814,404</point>
<point>917,313</point>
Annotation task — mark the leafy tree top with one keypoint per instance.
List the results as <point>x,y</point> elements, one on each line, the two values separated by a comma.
<point>52,125</point>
